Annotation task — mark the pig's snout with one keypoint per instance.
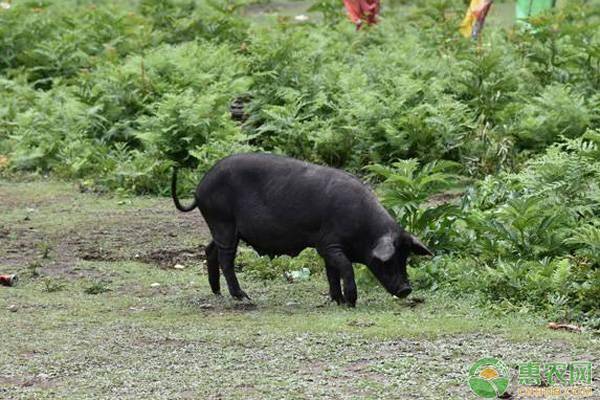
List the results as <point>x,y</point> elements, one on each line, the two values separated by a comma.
<point>404,290</point>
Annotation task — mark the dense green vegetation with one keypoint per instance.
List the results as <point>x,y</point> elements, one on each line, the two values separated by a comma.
<point>489,151</point>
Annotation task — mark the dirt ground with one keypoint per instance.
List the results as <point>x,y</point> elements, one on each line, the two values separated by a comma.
<point>58,227</point>
<point>101,313</point>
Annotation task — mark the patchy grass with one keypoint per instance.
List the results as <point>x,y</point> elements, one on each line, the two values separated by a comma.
<point>135,339</point>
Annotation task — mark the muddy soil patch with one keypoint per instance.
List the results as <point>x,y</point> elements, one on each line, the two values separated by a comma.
<point>167,258</point>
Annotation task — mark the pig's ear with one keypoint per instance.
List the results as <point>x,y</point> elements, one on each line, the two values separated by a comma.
<point>384,250</point>
<point>417,247</point>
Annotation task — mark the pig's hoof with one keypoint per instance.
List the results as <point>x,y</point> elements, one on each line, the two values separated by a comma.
<point>241,295</point>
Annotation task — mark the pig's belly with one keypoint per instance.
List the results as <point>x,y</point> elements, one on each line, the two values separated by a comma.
<point>276,239</point>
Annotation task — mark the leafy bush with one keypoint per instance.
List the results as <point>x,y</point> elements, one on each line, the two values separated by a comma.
<point>408,191</point>
<point>562,288</point>
<point>153,80</point>
<point>265,268</point>
<point>531,238</point>
<point>555,113</point>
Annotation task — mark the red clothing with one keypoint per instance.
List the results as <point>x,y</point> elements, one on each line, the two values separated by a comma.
<point>360,11</point>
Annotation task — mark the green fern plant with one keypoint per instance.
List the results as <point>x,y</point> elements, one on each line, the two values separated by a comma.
<point>586,240</point>
<point>406,191</point>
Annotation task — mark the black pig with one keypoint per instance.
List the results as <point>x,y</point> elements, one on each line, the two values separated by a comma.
<point>280,206</point>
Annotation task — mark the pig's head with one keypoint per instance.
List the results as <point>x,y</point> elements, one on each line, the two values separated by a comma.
<point>389,256</point>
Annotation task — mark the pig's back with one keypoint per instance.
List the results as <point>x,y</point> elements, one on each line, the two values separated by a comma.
<point>281,205</point>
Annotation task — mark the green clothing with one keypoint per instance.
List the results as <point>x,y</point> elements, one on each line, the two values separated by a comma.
<point>528,8</point>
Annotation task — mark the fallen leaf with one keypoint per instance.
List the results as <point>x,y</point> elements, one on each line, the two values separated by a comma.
<point>566,327</point>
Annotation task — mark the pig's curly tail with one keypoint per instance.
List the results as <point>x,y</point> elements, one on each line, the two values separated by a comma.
<point>179,206</point>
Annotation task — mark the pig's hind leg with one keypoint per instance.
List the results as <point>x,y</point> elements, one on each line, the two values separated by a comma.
<point>212,265</point>
<point>226,241</point>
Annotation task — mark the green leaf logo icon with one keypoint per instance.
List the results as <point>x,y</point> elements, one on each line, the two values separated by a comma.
<point>488,378</point>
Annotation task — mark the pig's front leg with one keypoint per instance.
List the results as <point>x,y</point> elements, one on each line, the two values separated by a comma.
<point>335,286</point>
<point>336,258</point>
